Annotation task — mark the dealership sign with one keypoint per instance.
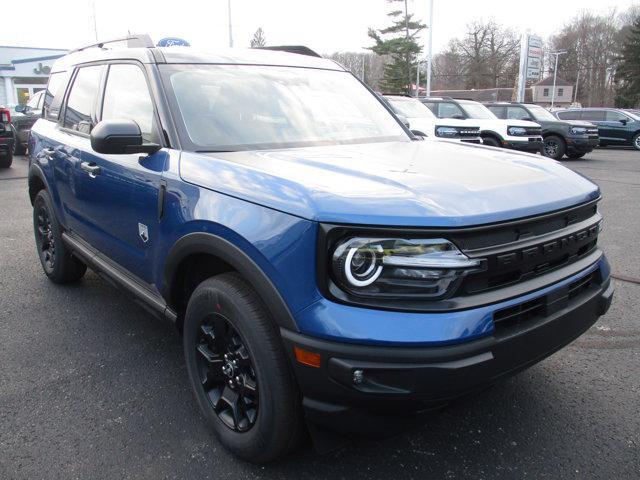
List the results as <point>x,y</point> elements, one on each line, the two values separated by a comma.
<point>534,57</point>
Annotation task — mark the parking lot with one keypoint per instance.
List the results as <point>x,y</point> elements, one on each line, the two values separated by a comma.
<point>91,386</point>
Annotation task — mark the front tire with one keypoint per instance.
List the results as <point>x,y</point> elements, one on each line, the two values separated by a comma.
<point>239,371</point>
<point>57,261</point>
<point>554,147</point>
<point>490,142</point>
<point>636,141</point>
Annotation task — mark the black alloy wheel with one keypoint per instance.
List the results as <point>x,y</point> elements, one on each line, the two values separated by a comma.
<point>554,147</point>
<point>44,237</point>
<point>227,374</point>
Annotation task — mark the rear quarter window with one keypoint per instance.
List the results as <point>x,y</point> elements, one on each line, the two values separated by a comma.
<point>54,94</point>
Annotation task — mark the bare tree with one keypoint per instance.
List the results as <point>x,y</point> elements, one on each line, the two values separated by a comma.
<point>258,39</point>
<point>591,43</point>
<point>368,67</point>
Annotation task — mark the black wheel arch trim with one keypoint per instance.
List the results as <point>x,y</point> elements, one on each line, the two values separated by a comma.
<point>491,133</point>
<point>206,243</point>
<point>35,171</point>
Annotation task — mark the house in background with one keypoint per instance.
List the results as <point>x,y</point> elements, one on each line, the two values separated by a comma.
<point>24,71</point>
<point>542,92</point>
<point>482,94</point>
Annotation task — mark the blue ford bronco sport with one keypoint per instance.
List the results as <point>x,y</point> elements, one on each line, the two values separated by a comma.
<point>328,271</point>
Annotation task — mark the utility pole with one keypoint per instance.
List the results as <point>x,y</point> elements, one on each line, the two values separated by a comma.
<point>230,28</point>
<point>430,48</point>
<point>418,80</point>
<point>555,74</point>
<point>95,23</point>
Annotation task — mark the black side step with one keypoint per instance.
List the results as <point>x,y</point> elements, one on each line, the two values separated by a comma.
<point>149,300</point>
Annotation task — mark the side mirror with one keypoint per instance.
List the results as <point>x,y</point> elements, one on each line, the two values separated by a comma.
<point>458,117</point>
<point>117,137</point>
<point>528,119</point>
<point>419,134</point>
<point>20,108</point>
<point>623,121</point>
<point>403,120</point>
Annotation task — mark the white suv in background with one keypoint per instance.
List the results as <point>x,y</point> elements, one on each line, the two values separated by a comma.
<point>495,132</point>
<point>423,122</point>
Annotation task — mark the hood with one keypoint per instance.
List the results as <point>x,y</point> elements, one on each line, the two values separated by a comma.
<point>487,122</point>
<point>437,184</point>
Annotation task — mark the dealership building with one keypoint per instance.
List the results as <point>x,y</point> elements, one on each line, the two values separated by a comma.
<point>24,71</point>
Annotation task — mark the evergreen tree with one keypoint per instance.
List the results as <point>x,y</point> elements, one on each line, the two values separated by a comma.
<point>399,43</point>
<point>628,71</point>
<point>258,39</point>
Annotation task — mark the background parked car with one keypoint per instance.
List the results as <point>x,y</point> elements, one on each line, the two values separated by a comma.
<point>23,118</point>
<point>6,138</point>
<point>573,138</point>
<point>495,132</point>
<point>615,126</point>
<point>422,121</point>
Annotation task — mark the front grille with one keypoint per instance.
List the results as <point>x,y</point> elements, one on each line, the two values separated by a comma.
<point>534,131</point>
<point>513,254</point>
<point>545,305</point>
<point>466,132</point>
<point>592,133</point>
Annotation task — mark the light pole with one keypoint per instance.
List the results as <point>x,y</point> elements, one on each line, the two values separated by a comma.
<point>430,48</point>
<point>555,74</point>
<point>230,29</point>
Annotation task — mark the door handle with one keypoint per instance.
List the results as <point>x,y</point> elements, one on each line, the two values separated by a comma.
<point>47,153</point>
<point>91,168</point>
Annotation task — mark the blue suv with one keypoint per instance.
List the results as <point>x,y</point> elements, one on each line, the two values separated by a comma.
<point>329,272</point>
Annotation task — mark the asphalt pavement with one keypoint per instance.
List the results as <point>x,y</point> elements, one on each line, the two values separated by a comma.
<point>93,387</point>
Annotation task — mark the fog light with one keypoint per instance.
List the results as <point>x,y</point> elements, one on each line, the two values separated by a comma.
<point>358,377</point>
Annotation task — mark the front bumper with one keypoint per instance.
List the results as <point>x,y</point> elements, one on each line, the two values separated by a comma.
<point>530,144</point>
<point>397,381</point>
<point>581,145</point>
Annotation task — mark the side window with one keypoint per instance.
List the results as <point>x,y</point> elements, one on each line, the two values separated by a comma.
<point>433,107</point>
<point>80,112</point>
<point>53,96</point>
<point>612,116</point>
<point>126,96</point>
<point>593,115</point>
<point>517,113</point>
<point>569,115</point>
<point>450,110</point>
<point>497,111</point>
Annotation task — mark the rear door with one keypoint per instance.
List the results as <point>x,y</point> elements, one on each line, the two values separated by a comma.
<point>120,208</point>
<point>615,124</point>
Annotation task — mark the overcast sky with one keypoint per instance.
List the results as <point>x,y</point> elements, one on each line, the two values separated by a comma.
<point>324,25</point>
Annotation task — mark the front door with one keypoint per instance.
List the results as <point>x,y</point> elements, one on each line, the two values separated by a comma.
<point>615,126</point>
<point>122,208</point>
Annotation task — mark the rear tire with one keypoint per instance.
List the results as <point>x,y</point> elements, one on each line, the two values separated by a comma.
<point>490,142</point>
<point>57,261</point>
<point>7,160</point>
<point>554,147</point>
<point>239,371</point>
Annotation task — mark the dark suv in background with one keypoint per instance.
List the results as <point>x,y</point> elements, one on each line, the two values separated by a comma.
<point>573,138</point>
<point>23,118</point>
<point>615,126</point>
<point>6,138</point>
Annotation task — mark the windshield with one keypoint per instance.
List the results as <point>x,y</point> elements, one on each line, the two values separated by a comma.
<point>410,107</point>
<point>478,111</point>
<point>251,107</point>
<point>634,114</point>
<point>540,113</point>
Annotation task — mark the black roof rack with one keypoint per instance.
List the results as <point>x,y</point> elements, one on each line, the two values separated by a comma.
<point>299,49</point>
<point>133,41</point>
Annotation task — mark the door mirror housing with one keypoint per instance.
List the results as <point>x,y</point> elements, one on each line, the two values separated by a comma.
<point>403,120</point>
<point>623,121</point>
<point>457,116</point>
<point>20,108</point>
<point>118,137</point>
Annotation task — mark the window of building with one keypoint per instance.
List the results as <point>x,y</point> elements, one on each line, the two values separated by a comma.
<point>545,92</point>
<point>80,112</point>
<point>560,92</point>
<point>127,96</point>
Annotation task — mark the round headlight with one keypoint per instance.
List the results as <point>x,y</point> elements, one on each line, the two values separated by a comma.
<point>363,265</point>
